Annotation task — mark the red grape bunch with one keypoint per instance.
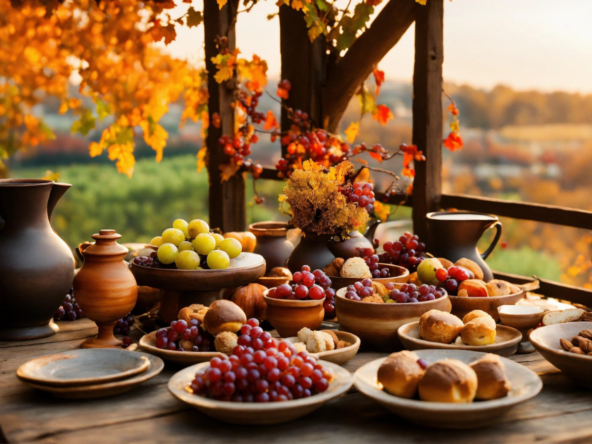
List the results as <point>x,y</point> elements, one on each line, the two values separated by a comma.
<point>306,286</point>
<point>262,369</point>
<point>372,260</point>
<point>407,252</point>
<point>124,325</point>
<point>361,194</point>
<point>450,279</point>
<point>69,310</point>
<point>183,336</point>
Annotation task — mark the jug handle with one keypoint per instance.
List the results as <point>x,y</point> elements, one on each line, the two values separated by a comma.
<point>498,234</point>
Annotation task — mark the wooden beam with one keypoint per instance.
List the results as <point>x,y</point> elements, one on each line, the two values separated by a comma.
<point>551,214</point>
<point>227,207</point>
<point>360,59</point>
<point>427,112</point>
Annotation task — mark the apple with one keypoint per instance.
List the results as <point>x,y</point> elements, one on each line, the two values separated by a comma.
<point>426,271</point>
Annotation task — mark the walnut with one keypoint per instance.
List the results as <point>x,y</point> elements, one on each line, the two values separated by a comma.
<point>565,344</point>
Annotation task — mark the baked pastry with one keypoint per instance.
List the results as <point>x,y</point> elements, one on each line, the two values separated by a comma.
<point>479,331</point>
<point>225,342</point>
<point>400,374</point>
<point>304,334</point>
<point>300,347</point>
<point>334,268</point>
<point>439,326</point>
<point>374,299</point>
<point>194,311</point>
<point>497,287</point>
<point>492,382</point>
<point>224,315</point>
<point>333,336</point>
<point>319,341</point>
<point>448,380</point>
<point>476,314</point>
<point>280,272</point>
<point>380,289</point>
<point>355,267</point>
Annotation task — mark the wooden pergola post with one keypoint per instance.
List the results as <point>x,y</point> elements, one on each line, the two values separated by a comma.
<point>427,112</point>
<point>227,207</point>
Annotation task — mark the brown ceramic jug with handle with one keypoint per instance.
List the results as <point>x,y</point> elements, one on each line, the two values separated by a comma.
<point>105,288</point>
<point>36,266</point>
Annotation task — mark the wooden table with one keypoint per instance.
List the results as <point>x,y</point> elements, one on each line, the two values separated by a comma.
<point>562,412</point>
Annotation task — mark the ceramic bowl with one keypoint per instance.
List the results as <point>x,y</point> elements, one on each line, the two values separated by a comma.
<point>79,367</point>
<point>546,341</point>
<point>257,413</point>
<point>399,275</point>
<point>506,341</point>
<point>342,355</point>
<point>272,281</point>
<point>107,389</point>
<point>523,318</point>
<point>464,305</point>
<point>289,316</point>
<point>525,385</point>
<point>377,324</point>
<point>147,342</point>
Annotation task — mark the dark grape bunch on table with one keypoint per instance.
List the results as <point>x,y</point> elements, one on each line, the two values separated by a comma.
<point>69,310</point>
<point>407,252</point>
<point>406,294</point>
<point>183,336</point>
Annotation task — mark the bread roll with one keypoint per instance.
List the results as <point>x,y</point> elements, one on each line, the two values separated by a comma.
<point>492,382</point>
<point>194,311</point>
<point>224,315</point>
<point>225,342</point>
<point>400,374</point>
<point>479,331</point>
<point>448,380</point>
<point>355,267</point>
<point>439,326</point>
<point>476,314</point>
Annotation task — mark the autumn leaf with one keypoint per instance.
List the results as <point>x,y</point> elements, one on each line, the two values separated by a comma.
<point>194,17</point>
<point>422,2</point>
<point>155,136</point>
<point>50,175</point>
<point>201,158</point>
<point>225,64</point>
<point>103,109</point>
<point>166,33</point>
<point>453,142</point>
<point>383,114</point>
<point>270,122</point>
<point>362,161</point>
<point>227,171</point>
<point>352,131</point>
<point>382,211</point>
<point>453,109</point>
<point>221,3</point>
<point>367,102</point>
<point>311,165</point>
<point>253,73</point>
<point>85,123</point>
<point>378,78</point>
<point>376,156</point>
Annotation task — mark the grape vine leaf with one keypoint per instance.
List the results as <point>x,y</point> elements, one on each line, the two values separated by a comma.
<point>453,142</point>
<point>367,102</point>
<point>378,79</point>
<point>383,114</point>
<point>194,17</point>
<point>85,123</point>
<point>166,33</point>
<point>201,158</point>
<point>352,131</point>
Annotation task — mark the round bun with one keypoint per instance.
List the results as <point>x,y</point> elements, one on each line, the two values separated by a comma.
<point>491,377</point>
<point>479,331</point>
<point>194,311</point>
<point>476,314</point>
<point>224,315</point>
<point>439,326</point>
<point>448,380</point>
<point>225,342</point>
<point>400,374</point>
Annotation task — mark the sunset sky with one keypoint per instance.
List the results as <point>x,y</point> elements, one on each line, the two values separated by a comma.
<point>526,44</point>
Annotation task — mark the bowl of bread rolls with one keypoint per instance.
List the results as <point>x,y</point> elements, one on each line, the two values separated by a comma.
<point>453,389</point>
<point>477,331</point>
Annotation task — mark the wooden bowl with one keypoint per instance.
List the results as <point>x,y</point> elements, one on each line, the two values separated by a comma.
<point>272,281</point>
<point>342,355</point>
<point>546,341</point>
<point>257,413</point>
<point>377,324</point>
<point>399,275</point>
<point>525,385</point>
<point>506,341</point>
<point>147,342</point>
<point>289,316</point>
<point>464,305</point>
<point>522,318</point>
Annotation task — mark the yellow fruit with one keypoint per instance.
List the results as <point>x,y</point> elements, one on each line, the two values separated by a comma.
<point>218,237</point>
<point>156,241</point>
<point>167,253</point>
<point>197,226</point>
<point>232,247</point>
<point>204,243</point>
<point>187,260</point>
<point>181,224</point>
<point>173,236</point>
<point>185,246</point>
<point>218,260</point>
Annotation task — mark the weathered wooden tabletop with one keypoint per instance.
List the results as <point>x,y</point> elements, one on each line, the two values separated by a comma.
<point>562,412</point>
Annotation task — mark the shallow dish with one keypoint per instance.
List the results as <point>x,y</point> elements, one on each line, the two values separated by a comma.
<point>464,305</point>
<point>342,355</point>
<point>147,342</point>
<point>107,389</point>
<point>377,324</point>
<point>400,276</point>
<point>506,341</point>
<point>525,385</point>
<point>546,341</point>
<point>257,413</point>
<point>79,367</point>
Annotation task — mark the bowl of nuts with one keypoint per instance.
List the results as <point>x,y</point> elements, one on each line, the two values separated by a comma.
<point>568,347</point>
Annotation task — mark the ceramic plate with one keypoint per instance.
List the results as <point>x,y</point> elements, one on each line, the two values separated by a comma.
<point>342,355</point>
<point>108,389</point>
<point>147,342</point>
<point>78,367</point>
<point>525,385</point>
<point>546,341</point>
<point>506,341</point>
<point>257,413</point>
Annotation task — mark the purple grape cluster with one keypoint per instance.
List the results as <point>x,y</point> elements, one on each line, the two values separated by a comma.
<point>69,310</point>
<point>149,261</point>
<point>124,325</point>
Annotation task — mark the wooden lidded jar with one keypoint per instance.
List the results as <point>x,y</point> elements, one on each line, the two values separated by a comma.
<point>105,288</point>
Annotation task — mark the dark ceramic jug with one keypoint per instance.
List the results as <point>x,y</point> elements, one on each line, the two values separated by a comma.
<point>272,243</point>
<point>312,251</point>
<point>36,266</point>
<point>454,235</point>
<point>356,242</point>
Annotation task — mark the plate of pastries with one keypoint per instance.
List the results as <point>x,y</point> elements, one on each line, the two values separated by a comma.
<point>454,389</point>
<point>476,331</point>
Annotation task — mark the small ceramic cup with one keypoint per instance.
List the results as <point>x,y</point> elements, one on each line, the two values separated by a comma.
<point>522,318</point>
<point>289,316</point>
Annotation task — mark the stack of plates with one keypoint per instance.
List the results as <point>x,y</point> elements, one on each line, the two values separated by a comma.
<point>90,373</point>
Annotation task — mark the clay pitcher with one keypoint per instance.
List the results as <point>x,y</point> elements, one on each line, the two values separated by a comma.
<point>272,242</point>
<point>454,235</point>
<point>313,251</point>
<point>36,266</point>
<point>105,288</point>
<point>355,244</point>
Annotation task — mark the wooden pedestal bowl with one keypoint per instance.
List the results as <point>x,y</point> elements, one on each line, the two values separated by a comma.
<point>377,324</point>
<point>399,275</point>
<point>181,288</point>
